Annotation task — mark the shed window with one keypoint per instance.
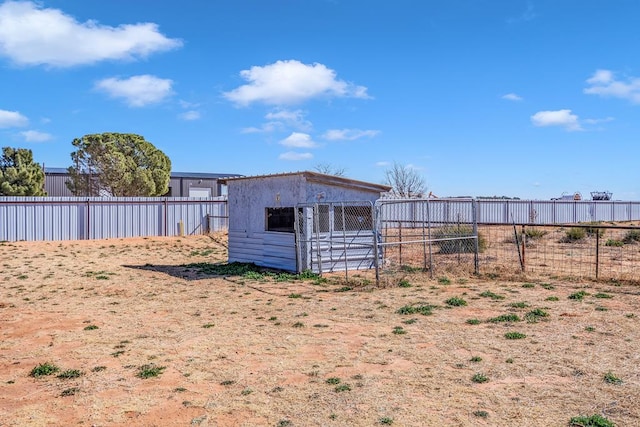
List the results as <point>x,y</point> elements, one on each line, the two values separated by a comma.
<point>280,219</point>
<point>352,218</point>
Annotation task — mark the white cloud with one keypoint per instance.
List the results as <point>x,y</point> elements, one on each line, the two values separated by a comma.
<point>33,35</point>
<point>190,115</point>
<point>563,118</point>
<point>292,155</point>
<point>36,136</point>
<point>383,164</point>
<point>604,83</point>
<point>299,140</point>
<point>265,128</point>
<point>11,119</point>
<point>292,118</point>
<point>598,121</point>
<point>137,91</point>
<point>291,82</point>
<point>512,97</point>
<point>348,134</point>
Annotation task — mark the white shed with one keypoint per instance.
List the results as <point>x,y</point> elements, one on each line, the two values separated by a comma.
<point>263,212</point>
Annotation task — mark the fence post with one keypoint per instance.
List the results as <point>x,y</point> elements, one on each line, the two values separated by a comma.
<point>524,238</point>
<point>400,241</point>
<point>597,252</point>
<point>88,236</point>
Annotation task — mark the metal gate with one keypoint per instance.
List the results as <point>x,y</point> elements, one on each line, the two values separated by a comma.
<point>336,236</point>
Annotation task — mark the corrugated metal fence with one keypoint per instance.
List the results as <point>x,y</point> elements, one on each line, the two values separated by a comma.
<point>78,218</point>
<point>518,211</point>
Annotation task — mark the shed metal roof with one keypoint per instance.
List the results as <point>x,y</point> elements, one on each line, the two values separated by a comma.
<point>321,179</point>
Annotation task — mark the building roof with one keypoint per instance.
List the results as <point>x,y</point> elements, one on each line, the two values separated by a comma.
<point>187,175</point>
<point>321,179</point>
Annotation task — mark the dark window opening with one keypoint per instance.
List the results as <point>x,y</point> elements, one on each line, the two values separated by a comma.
<point>280,219</point>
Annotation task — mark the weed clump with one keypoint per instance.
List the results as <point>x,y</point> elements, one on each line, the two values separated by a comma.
<point>149,371</point>
<point>514,335</point>
<point>479,378</point>
<point>578,296</point>
<point>590,421</point>
<point>632,236</point>
<point>456,302</point>
<point>511,317</point>
<point>573,235</point>
<point>424,309</point>
<point>610,378</point>
<point>44,369</point>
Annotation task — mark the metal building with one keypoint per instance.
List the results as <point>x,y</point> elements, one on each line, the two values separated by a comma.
<point>181,184</point>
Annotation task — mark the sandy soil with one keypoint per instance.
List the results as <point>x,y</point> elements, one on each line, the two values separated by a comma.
<point>257,351</point>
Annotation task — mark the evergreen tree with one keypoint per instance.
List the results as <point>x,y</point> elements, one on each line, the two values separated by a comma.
<point>19,175</point>
<point>119,165</point>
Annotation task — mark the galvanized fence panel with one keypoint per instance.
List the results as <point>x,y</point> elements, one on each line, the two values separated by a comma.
<point>426,234</point>
<point>77,218</point>
<point>335,236</point>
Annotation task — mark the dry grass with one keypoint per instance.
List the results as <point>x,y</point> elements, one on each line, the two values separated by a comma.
<point>232,356</point>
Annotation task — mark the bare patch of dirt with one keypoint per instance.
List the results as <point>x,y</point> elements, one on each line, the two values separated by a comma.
<point>251,350</point>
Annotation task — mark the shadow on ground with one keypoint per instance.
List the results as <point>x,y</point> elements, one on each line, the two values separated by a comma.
<point>200,270</point>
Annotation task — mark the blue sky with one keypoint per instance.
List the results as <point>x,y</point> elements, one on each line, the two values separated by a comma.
<point>519,98</point>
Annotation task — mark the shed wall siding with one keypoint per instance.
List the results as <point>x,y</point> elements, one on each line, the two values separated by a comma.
<point>266,249</point>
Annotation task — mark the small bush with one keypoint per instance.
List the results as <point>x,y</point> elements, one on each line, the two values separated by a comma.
<point>424,309</point>
<point>44,369</point>
<point>632,236</point>
<point>592,421</point>
<point>461,245</point>
<point>574,235</point>
<point>536,314</point>
<point>404,283</point>
<point>489,294</point>
<point>473,321</point>
<point>456,302</point>
<point>614,243</point>
<point>534,233</point>
<point>505,318</point>
<point>342,387</point>
<point>479,378</point>
<point>578,296</point>
<point>520,304</point>
<point>481,414</point>
<point>610,378</point>
<point>149,371</point>
<point>333,381</point>
<point>514,335</point>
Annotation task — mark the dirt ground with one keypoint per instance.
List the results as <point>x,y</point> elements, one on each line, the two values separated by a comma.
<point>266,350</point>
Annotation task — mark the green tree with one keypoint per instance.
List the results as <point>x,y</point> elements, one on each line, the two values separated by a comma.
<point>119,165</point>
<point>19,175</point>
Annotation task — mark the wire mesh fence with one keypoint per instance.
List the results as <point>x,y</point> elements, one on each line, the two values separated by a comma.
<point>336,236</point>
<point>591,251</point>
<point>396,237</point>
<point>433,237</point>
